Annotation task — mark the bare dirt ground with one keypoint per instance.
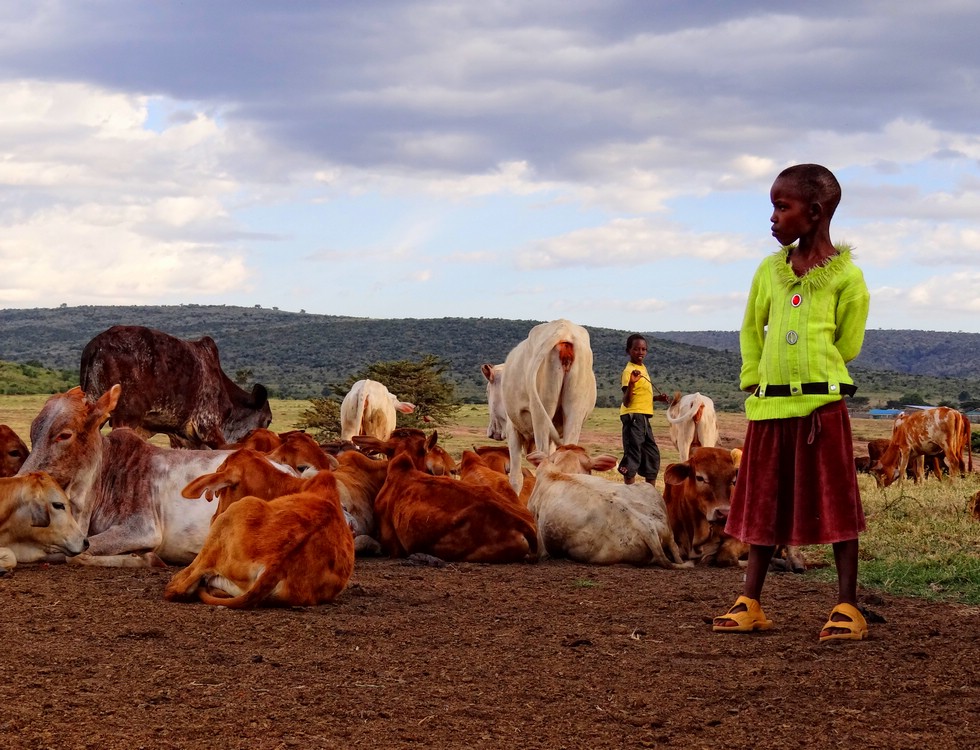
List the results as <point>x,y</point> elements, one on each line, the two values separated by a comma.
<point>550,655</point>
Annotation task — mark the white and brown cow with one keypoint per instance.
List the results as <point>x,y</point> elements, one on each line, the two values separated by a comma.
<point>171,386</point>
<point>369,408</point>
<point>36,522</point>
<point>540,397</point>
<point>125,492</point>
<point>925,433</point>
<point>692,422</point>
<point>591,519</point>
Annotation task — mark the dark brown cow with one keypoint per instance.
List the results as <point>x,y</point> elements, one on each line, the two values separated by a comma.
<point>13,452</point>
<point>171,386</point>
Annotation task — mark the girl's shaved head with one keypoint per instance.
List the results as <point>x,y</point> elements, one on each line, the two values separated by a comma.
<point>816,184</point>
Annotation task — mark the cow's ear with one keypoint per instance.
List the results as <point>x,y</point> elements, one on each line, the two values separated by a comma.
<point>677,473</point>
<point>535,458</point>
<point>737,457</point>
<point>105,405</point>
<point>604,463</point>
<point>39,515</point>
<point>430,442</point>
<point>259,395</point>
<point>487,370</point>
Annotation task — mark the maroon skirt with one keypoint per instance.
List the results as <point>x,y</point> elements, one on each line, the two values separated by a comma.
<point>796,482</point>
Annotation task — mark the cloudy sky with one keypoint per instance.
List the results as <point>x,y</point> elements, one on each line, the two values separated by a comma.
<point>607,161</point>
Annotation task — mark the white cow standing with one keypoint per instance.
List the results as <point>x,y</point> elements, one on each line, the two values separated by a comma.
<point>540,397</point>
<point>370,409</point>
<point>692,416</point>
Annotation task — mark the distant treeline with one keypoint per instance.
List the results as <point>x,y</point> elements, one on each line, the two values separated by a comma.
<point>299,355</point>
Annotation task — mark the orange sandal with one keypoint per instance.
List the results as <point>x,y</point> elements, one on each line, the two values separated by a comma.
<point>746,620</point>
<point>852,622</point>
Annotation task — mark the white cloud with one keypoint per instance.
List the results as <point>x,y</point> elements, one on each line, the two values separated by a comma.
<point>633,242</point>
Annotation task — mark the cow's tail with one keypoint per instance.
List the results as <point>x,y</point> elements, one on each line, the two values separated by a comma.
<point>539,415</point>
<point>260,590</point>
<point>675,416</point>
<point>355,424</point>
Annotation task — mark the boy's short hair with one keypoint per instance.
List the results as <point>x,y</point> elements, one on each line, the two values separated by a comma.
<point>633,337</point>
<point>816,183</point>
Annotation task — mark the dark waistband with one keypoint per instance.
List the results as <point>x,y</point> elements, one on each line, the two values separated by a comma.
<point>807,389</point>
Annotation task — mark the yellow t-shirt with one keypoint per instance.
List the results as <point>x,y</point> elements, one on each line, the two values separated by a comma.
<point>642,401</point>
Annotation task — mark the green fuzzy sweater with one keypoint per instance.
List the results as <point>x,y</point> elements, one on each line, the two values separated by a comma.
<point>801,330</point>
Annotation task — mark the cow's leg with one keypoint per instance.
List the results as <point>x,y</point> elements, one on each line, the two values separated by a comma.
<point>136,533</point>
<point>516,455</point>
<point>132,560</point>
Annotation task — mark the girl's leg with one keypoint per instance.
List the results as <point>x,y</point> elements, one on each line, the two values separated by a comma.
<point>852,622</point>
<point>755,577</point>
<point>846,559</point>
<point>755,574</point>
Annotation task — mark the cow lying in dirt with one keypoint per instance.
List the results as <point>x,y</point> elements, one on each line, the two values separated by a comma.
<point>36,521</point>
<point>594,520</point>
<point>294,550</point>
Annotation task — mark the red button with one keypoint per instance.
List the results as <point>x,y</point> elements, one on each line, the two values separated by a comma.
<point>797,299</point>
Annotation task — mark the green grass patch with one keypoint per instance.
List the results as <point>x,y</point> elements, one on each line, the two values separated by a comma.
<point>921,541</point>
<point>585,583</point>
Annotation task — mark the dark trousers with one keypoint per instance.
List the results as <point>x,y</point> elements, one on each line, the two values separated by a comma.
<point>640,452</point>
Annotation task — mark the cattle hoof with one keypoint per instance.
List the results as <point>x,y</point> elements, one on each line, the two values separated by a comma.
<point>153,560</point>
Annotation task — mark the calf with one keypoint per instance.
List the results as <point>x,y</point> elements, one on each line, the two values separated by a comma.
<point>497,457</point>
<point>698,493</point>
<point>475,469</point>
<point>295,550</point>
<point>449,519</point>
<point>36,521</point>
<point>302,452</point>
<point>594,520</point>
<point>249,473</point>
<point>13,452</point>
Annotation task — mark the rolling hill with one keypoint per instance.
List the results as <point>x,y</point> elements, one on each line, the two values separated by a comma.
<point>300,355</point>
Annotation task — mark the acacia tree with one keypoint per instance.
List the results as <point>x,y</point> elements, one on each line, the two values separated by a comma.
<point>423,383</point>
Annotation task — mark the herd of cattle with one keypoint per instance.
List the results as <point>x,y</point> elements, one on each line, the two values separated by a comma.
<point>265,518</point>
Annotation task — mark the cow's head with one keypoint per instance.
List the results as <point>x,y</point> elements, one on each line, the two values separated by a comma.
<point>709,476</point>
<point>573,459</point>
<point>42,523</point>
<point>65,438</point>
<point>247,412</point>
<point>497,429</point>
